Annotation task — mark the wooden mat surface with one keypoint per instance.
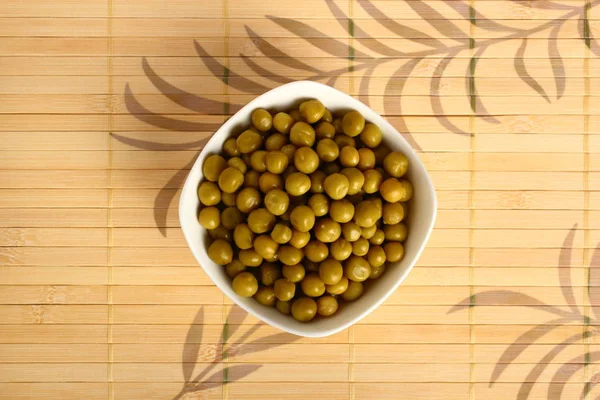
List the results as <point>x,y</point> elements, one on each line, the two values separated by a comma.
<point>105,103</point>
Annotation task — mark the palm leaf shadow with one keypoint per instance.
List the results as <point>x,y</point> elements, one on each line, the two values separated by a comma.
<point>531,336</point>
<point>228,374</point>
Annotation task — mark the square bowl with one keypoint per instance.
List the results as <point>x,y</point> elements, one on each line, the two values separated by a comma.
<point>420,220</point>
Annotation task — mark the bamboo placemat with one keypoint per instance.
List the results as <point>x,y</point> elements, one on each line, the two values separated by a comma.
<point>105,104</point>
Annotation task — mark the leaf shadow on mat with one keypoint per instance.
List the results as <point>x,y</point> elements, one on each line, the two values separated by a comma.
<point>218,373</point>
<point>574,315</point>
<point>364,53</point>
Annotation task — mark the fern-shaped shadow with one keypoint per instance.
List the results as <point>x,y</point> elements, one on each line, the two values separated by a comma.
<point>365,55</point>
<point>229,374</point>
<point>573,314</point>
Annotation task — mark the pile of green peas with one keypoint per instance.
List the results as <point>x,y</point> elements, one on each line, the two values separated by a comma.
<point>303,209</point>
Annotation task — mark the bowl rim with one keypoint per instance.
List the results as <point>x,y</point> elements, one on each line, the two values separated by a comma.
<point>302,87</point>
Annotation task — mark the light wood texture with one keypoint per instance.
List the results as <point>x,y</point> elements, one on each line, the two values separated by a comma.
<point>100,297</point>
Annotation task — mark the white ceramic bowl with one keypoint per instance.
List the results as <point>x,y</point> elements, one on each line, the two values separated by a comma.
<point>421,217</point>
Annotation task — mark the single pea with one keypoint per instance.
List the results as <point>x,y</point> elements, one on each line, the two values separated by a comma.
<point>245,284</point>
<point>289,150</point>
<point>393,213</point>
<point>306,160</point>
<point>304,309</point>
<point>327,230</point>
<point>247,158</point>
<point>344,141</point>
<point>366,159</point>
<point>312,110</point>
<point>368,231</point>
<point>354,291</point>
<point>284,289</point>
<point>277,201</point>
<point>336,186</point>
<point>341,211</point>
<point>250,258</point>
<point>357,268</point>
<point>248,142</point>
<point>302,134</point>
<point>243,237</point>
<point>360,247</point>
<point>294,273</point>
<point>331,271</point>
<point>316,251</point>
<point>373,180</point>
<point>330,168</point>
<point>327,150</point>
<point>371,136</point>
<point>299,239</point>
<point>284,307</point>
<point>376,272</point>
<point>376,256</point>
<point>261,220</point>
<point>353,123</point>
<point>319,203</point>
<point>366,214</point>
<point>408,188</point>
<point>302,218</point>
<point>297,184</point>
<point>395,164</point>
<point>310,266</point>
<point>276,162</point>
<point>269,273</point>
<point>269,181</point>
<point>337,124</point>
<point>262,120</point>
<point>209,217</point>
<point>339,287</point>
<point>377,238</point>
<point>230,148</point>
<point>220,252</point>
<point>265,246</point>
<point>281,233</point>
<point>251,179</point>
<point>325,130</point>
<point>392,190</point>
<point>312,285</point>
<point>395,233</point>
<point>341,249</point>
<point>258,160</point>
<point>276,141</point>
<point>209,193</point>
<point>213,166</point>
<point>394,251</point>
<point>248,199</point>
<point>289,255</point>
<point>231,217</point>
<point>356,180</point>
<point>220,232</point>
<point>351,231</point>
<point>327,306</point>
<point>317,180</point>
<point>234,268</point>
<point>283,122</point>
<point>295,114</point>
<point>265,295</point>
<point>237,162</point>
<point>230,180</point>
<point>349,156</point>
